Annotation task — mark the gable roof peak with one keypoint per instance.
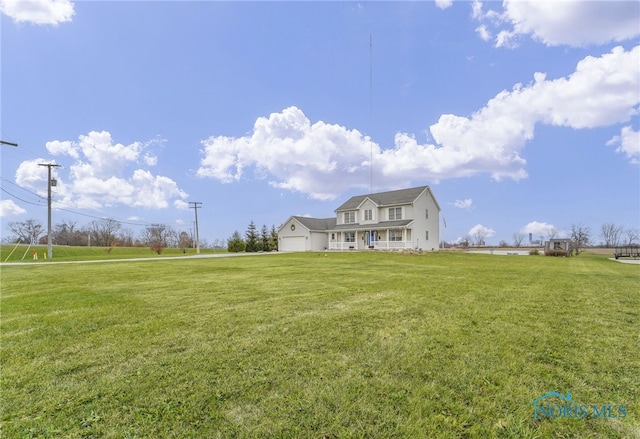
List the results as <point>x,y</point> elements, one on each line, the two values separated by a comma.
<point>388,198</point>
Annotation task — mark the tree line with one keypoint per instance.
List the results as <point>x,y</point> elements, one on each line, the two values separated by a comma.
<point>106,232</point>
<point>581,236</point>
<point>266,240</point>
<point>110,233</point>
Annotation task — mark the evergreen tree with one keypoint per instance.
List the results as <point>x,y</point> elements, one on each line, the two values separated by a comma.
<point>273,240</point>
<point>264,239</point>
<point>236,244</point>
<point>251,238</point>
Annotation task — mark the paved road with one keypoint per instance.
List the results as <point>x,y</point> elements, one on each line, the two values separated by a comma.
<point>626,261</point>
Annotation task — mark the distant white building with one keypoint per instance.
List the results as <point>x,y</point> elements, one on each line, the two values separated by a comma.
<point>401,219</point>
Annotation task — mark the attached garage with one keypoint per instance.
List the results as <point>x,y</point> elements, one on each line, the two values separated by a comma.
<point>293,244</point>
<point>301,234</point>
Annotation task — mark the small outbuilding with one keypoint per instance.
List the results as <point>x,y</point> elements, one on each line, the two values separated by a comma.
<point>558,247</point>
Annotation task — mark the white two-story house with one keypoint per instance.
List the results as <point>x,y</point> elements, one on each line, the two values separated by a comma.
<point>406,218</point>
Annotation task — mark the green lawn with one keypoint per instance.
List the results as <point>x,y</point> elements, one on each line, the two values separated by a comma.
<point>364,345</point>
<point>22,253</point>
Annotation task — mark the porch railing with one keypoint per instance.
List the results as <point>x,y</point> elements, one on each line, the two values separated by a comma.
<point>377,245</point>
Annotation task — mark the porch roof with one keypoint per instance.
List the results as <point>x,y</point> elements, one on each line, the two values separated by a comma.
<point>382,225</point>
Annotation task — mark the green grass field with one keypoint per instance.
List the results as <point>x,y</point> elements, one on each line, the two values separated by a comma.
<point>23,253</point>
<point>348,345</point>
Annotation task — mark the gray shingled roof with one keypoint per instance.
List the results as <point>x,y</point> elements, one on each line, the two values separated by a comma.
<point>378,226</point>
<point>315,224</point>
<point>390,198</point>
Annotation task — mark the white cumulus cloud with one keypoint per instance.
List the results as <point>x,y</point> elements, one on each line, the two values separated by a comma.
<point>540,229</point>
<point>463,204</point>
<point>628,143</point>
<point>575,23</point>
<point>101,173</point>
<point>296,154</point>
<point>324,160</point>
<point>51,12</point>
<point>181,205</point>
<point>444,4</point>
<point>480,233</point>
<point>9,208</point>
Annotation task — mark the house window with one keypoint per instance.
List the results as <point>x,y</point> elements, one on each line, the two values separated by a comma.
<point>333,236</point>
<point>395,213</point>
<point>350,237</point>
<point>395,235</point>
<point>426,235</point>
<point>349,217</point>
<point>426,213</point>
<point>368,215</point>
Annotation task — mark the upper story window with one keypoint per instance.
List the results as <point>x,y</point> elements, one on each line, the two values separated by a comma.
<point>426,213</point>
<point>368,215</point>
<point>395,213</point>
<point>349,217</point>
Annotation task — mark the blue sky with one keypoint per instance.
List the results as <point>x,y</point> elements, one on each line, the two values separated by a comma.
<point>522,116</point>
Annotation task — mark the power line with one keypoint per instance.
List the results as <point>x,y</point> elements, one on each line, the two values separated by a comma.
<point>103,217</point>
<point>72,211</point>
<point>18,198</point>
<point>24,189</point>
<point>75,212</point>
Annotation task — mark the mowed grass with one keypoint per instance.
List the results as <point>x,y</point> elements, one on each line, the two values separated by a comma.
<point>348,345</point>
<point>23,253</point>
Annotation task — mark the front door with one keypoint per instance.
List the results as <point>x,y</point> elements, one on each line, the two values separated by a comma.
<point>371,238</point>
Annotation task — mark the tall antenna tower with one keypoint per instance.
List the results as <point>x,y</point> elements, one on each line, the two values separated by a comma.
<point>370,109</point>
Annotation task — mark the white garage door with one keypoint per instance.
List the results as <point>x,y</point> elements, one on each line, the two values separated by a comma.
<point>293,244</point>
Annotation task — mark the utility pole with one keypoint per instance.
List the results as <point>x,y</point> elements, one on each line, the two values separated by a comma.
<point>195,205</point>
<point>49,184</point>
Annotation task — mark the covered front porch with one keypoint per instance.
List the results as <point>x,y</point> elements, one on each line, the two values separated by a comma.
<point>374,239</point>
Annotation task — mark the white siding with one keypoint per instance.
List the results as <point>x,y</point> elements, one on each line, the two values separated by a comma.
<point>421,224</point>
<point>319,241</point>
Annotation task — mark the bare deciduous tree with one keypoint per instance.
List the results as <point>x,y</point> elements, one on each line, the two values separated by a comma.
<point>158,237</point>
<point>610,233</point>
<point>580,237</point>
<point>631,236</point>
<point>67,233</point>
<point>104,232</point>
<point>28,232</point>
<point>126,238</point>
<point>480,236</point>
<point>185,241</point>
<point>518,238</point>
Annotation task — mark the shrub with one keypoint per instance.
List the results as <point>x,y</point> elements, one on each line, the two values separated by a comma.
<point>534,252</point>
<point>157,247</point>
<point>557,252</point>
